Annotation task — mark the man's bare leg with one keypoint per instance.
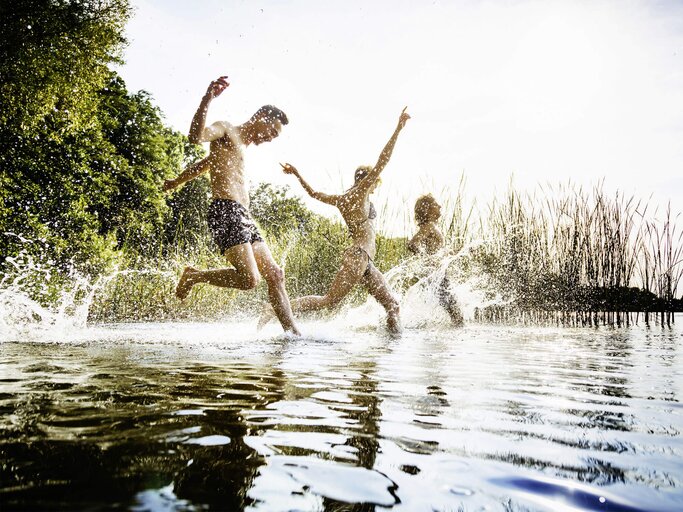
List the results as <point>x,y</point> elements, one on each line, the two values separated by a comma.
<point>277,294</point>
<point>244,276</point>
<point>449,302</point>
<point>377,286</point>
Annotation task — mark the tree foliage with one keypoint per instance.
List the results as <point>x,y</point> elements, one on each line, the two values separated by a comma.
<point>81,158</point>
<point>277,212</point>
<point>54,56</point>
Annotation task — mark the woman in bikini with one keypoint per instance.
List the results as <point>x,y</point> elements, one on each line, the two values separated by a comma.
<point>429,239</point>
<point>359,214</point>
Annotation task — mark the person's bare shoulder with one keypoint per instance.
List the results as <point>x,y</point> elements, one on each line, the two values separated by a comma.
<point>432,230</point>
<point>214,131</point>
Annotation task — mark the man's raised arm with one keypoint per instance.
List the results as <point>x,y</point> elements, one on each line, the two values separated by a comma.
<point>198,133</point>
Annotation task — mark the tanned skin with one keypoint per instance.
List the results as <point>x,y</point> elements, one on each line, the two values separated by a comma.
<point>429,239</point>
<point>356,267</point>
<point>225,164</point>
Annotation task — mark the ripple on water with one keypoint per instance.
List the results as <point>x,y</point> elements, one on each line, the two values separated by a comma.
<point>184,417</point>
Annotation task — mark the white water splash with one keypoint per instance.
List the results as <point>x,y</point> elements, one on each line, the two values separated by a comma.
<point>417,282</point>
<point>37,305</point>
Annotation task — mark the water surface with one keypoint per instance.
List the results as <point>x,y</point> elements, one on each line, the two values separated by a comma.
<point>216,416</point>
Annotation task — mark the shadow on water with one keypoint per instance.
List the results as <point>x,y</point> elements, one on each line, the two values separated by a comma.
<point>483,417</point>
<point>130,428</point>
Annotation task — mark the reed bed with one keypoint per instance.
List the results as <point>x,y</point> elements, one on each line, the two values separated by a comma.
<point>581,258</point>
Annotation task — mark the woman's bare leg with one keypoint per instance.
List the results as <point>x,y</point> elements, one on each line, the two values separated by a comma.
<point>377,286</point>
<point>353,265</point>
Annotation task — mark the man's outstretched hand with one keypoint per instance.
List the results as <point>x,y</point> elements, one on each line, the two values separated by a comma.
<point>168,185</point>
<point>218,86</point>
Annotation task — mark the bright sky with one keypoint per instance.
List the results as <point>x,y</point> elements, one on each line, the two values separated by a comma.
<point>547,91</point>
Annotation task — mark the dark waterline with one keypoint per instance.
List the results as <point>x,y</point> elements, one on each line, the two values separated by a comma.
<point>214,416</point>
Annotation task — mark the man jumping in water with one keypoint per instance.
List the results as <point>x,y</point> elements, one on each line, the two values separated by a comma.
<point>232,227</point>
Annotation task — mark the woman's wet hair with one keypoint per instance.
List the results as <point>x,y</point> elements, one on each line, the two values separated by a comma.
<point>424,208</point>
<point>271,112</point>
<point>361,172</point>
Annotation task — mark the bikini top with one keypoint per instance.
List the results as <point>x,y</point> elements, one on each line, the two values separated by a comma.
<point>372,214</point>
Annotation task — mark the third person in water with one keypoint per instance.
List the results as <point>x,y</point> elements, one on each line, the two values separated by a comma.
<point>429,239</point>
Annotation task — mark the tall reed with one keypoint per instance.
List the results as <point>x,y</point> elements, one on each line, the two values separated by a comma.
<point>581,254</point>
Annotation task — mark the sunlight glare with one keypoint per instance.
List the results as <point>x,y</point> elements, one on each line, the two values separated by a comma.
<point>555,74</point>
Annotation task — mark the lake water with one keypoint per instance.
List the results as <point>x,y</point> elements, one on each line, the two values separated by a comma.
<point>179,416</point>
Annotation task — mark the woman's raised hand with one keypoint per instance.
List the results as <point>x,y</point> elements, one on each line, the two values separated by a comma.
<point>404,118</point>
<point>288,169</point>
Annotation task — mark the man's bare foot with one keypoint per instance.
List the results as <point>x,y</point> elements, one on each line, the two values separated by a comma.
<point>457,319</point>
<point>186,283</point>
<point>455,313</point>
<point>294,330</point>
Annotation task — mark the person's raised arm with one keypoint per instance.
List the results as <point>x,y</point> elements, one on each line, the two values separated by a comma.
<point>385,155</point>
<point>188,174</point>
<point>198,131</point>
<point>325,198</point>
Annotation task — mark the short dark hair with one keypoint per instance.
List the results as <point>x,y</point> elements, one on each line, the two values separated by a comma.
<point>423,209</point>
<point>271,112</point>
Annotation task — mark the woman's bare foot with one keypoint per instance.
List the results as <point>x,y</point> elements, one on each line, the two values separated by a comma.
<point>186,283</point>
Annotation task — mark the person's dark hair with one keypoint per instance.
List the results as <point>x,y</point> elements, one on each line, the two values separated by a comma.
<point>423,209</point>
<point>271,112</point>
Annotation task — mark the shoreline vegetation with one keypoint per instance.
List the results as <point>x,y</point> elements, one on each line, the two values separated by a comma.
<point>82,161</point>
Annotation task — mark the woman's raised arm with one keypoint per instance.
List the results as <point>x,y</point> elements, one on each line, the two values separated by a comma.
<point>385,155</point>
<point>325,198</point>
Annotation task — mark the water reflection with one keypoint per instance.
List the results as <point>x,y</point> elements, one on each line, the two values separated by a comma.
<point>502,418</point>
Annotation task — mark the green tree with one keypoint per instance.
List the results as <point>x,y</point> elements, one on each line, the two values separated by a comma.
<point>81,159</point>
<point>143,152</point>
<point>277,212</point>
<point>54,57</point>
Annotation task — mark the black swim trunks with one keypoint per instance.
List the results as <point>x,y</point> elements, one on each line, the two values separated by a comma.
<point>231,224</point>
